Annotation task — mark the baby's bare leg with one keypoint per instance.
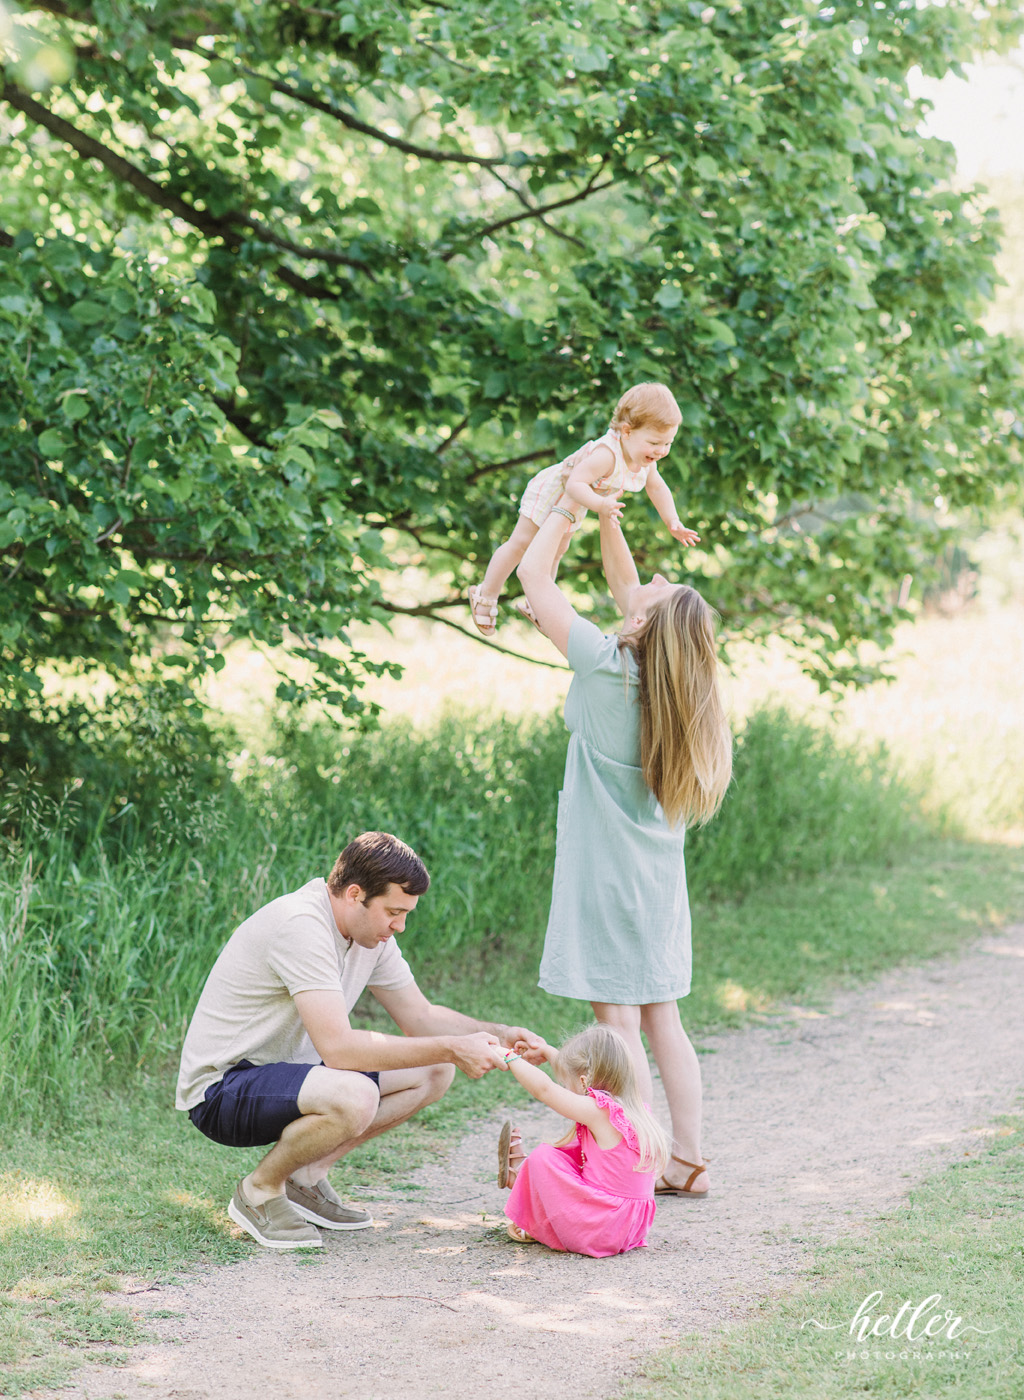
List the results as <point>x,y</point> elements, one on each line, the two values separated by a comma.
<point>560,555</point>
<point>506,558</point>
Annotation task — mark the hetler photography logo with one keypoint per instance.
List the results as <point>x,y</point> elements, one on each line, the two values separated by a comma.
<point>922,1331</point>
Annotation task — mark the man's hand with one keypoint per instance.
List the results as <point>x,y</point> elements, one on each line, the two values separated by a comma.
<point>477,1053</point>
<point>680,532</point>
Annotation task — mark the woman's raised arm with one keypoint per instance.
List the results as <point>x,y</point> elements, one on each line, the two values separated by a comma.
<point>617,561</point>
<point>551,608</point>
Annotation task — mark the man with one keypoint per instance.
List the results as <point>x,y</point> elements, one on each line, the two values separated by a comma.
<point>270,1056</point>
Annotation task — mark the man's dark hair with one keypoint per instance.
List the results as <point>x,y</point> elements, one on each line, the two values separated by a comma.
<point>376,860</point>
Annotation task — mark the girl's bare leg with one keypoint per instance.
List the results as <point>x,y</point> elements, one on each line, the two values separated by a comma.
<point>560,556</point>
<point>680,1075</point>
<point>506,559</point>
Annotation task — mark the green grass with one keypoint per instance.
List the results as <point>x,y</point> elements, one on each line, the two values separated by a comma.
<point>959,1236</point>
<point>113,909</point>
<point>114,903</point>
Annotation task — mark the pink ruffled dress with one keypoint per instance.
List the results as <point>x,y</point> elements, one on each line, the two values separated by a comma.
<point>583,1198</point>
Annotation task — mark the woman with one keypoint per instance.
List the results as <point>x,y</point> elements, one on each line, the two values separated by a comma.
<point>650,752</point>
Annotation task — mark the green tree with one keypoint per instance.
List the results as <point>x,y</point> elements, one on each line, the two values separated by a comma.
<point>294,295</point>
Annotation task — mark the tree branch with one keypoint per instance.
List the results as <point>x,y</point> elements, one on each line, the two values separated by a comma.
<point>399,524</point>
<point>354,123</point>
<point>512,462</point>
<point>535,212</point>
<point>208,224</point>
<point>483,641</point>
<point>424,609</point>
<point>93,150</point>
<point>524,201</point>
<point>445,443</point>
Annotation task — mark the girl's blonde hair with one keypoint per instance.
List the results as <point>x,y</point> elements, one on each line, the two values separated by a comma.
<point>685,744</point>
<point>602,1057</point>
<point>647,405</point>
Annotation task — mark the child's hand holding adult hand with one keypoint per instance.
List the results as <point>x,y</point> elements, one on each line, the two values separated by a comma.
<point>535,1050</point>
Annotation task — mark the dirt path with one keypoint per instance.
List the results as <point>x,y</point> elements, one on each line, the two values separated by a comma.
<point>815,1122</point>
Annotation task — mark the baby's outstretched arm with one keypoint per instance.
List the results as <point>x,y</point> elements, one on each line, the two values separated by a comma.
<point>580,485</point>
<point>661,499</point>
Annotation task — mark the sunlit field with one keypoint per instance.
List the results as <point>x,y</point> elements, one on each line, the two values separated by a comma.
<point>952,718</point>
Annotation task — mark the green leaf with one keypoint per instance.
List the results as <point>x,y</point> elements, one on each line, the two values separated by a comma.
<point>76,407</point>
<point>51,444</point>
<point>221,73</point>
<point>669,296</point>
<point>259,89</point>
<point>89,313</point>
<point>718,330</point>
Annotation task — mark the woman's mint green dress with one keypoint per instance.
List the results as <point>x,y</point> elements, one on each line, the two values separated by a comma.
<point>619,927</point>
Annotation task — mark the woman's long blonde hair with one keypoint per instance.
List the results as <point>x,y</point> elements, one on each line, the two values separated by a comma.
<point>685,744</point>
<point>602,1057</point>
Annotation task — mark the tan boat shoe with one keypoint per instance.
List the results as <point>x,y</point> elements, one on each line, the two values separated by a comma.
<point>275,1225</point>
<point>320,1205</point>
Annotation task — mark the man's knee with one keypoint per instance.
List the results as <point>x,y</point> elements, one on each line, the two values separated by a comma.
<point>350,1097</point>
<point>437,1081</point>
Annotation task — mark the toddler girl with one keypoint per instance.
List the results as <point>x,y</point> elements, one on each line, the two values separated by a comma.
<point>592,1193</point>
<point>594,476</point>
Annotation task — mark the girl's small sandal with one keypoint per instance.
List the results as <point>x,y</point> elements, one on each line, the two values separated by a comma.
<point>484,611</point>
<point>662,1187</point>
<point>520,1236</point>
<point>504,1145</point>
<point>524,610</point>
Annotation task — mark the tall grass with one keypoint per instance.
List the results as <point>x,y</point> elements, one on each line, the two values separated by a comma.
<point>111,914</point>
<point>802,801</point>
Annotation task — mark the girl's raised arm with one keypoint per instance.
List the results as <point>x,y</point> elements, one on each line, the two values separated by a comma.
<point>578,1108</point>
<point>619,569</point>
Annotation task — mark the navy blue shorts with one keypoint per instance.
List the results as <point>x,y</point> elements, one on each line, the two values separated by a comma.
<point>253,1104</point>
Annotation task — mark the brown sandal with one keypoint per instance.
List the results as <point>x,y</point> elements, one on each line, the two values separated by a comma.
<point>668,1188</point>
<point>520,1236</point>
<point>504,1144</point>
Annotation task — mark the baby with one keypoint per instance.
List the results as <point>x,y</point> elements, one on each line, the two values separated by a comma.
<point>594,477</point>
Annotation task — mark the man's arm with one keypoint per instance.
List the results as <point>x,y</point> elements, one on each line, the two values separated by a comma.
<point>341,1046</point>
<point>414,1014</point>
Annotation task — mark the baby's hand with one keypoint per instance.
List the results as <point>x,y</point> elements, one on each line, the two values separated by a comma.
<point>679,532</point>
<point>611,508</point>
